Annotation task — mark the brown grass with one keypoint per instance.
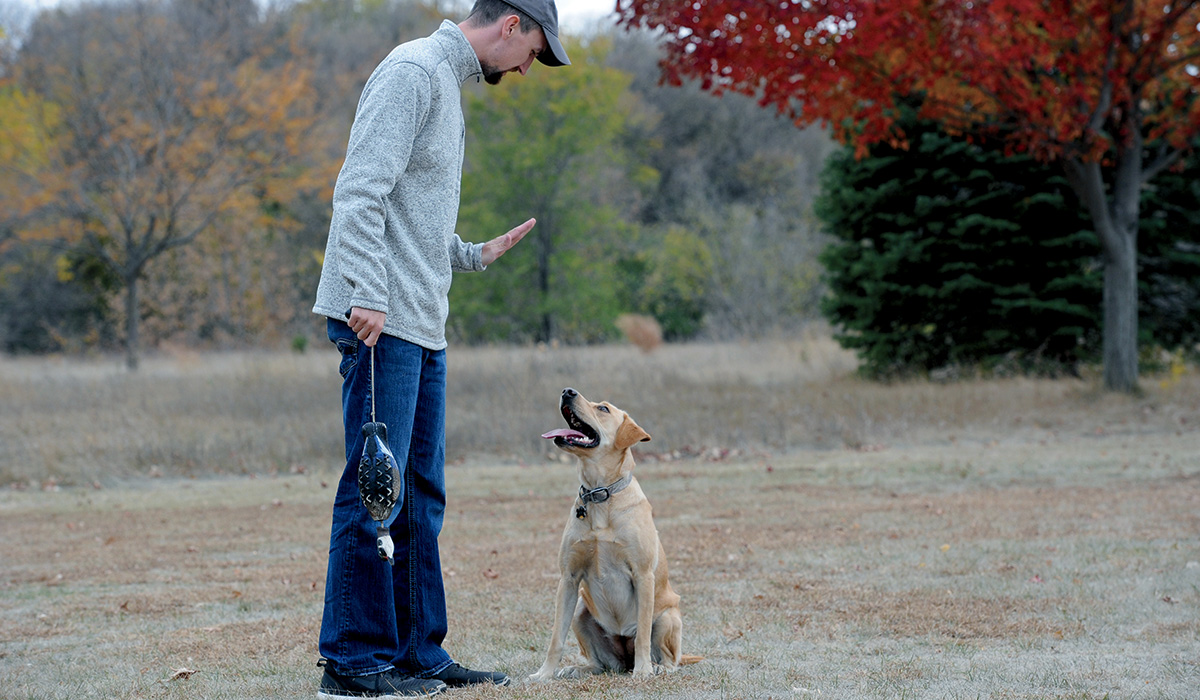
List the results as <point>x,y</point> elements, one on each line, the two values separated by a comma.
<point>69,421</point>
<point>1021,539</point>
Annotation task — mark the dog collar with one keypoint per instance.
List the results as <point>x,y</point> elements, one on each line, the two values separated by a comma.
<point>599,494</point>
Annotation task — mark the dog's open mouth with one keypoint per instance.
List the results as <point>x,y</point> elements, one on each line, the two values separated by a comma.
<point>578,434</point>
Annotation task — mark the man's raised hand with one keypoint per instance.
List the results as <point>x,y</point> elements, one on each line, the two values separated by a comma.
<point>500,245</point>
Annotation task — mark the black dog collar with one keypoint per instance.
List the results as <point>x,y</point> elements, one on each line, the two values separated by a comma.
<point>599,494</point>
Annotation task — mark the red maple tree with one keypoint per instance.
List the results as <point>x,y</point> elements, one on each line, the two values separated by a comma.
<point>1107,88</point>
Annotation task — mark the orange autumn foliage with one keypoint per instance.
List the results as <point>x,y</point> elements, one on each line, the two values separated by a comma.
<point>170,159</point>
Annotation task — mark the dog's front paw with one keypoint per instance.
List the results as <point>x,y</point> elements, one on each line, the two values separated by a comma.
<point>643,671</point>
<point>577,671</point>
<point>544,675</point>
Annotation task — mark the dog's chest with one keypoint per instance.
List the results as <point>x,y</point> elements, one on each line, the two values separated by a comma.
<point>608,581</point>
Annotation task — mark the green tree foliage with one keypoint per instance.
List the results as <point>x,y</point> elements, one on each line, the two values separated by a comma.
<point>667,278</point>
<point>953,253</point>
<point>549,145</point>
<point>1169,260</point>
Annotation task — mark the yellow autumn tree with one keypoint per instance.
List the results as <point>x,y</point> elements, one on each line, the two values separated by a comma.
<point>168,154</point>
<point>24,158</point>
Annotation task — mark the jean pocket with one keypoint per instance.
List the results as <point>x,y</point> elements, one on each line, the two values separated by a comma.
<point>349,349</point>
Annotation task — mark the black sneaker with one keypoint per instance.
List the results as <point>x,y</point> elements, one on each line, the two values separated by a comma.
<point>383,686</point>
<point>457,676</point>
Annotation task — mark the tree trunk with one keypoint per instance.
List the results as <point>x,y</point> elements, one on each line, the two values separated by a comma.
<point>1120,268</point>
<point>132,342</point>
<point>545,250</point>
<point>1120,313</point>
<point>1115,216</point>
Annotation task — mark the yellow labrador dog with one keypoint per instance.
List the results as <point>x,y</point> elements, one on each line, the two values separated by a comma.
<point>614,590</point>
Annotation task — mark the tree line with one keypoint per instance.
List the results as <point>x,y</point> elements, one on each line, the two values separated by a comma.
<point>166,169</point>
<point>168,166</point>
<point>1107,91</point>
<point>953,255</point>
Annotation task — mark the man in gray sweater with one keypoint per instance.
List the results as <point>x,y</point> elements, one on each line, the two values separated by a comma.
<point>384,284</point>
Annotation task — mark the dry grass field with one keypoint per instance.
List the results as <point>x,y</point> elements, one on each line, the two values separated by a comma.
<point>164,534</point>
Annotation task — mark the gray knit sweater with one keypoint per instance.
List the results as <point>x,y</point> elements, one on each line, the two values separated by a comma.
<point>392,245</point>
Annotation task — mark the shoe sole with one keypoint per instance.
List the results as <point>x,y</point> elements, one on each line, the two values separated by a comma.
<point>472,684</point>
<point>322,695</point>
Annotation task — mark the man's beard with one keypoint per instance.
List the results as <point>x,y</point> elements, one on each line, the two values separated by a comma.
<point>491,74</point>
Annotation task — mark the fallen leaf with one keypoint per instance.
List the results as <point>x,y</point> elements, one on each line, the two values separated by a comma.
<point>490,573</point>
<point>182,674</point>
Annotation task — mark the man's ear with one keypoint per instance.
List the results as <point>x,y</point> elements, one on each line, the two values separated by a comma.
<point>629,434</point>
<point>510,25</point>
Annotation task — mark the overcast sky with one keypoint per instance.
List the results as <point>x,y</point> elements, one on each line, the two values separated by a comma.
<point>577,16</point>
<point>574,16</point>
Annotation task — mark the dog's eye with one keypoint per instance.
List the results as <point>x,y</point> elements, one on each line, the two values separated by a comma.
<point>602,408</point>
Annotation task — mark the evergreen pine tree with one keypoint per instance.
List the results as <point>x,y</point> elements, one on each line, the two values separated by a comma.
<point>955,253</point>
<point>1169,262</point>
<point>952,253</point>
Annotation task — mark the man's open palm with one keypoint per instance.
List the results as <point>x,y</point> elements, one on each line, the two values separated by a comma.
<point>500,245</point>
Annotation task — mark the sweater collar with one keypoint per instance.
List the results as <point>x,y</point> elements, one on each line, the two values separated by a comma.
<point>462,57</point>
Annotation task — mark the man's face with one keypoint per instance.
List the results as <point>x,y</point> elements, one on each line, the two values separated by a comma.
<point>515,53</point>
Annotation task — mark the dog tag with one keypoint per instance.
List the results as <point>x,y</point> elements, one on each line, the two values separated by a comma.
<point>581,512</point>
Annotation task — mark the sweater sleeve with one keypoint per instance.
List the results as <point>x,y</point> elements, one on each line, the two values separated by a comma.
<point>390,114</point>
<point>465,257</point>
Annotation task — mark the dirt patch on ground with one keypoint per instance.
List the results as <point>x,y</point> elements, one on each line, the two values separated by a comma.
<point>944,569</point>
<point>922,613</point>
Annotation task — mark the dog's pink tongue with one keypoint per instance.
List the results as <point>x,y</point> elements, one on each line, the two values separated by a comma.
<point>563,432</point>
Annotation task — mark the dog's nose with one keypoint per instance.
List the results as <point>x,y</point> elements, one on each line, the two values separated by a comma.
<point>569,393</point>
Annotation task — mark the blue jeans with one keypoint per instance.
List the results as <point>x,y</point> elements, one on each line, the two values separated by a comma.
<point>378,617</point>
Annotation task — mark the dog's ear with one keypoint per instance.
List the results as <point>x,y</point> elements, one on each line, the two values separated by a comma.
<point>630,433</point>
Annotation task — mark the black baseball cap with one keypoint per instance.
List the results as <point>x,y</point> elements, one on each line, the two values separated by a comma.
<point>545,13</point>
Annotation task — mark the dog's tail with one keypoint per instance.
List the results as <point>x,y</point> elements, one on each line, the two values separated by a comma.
<point>689,659</point>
